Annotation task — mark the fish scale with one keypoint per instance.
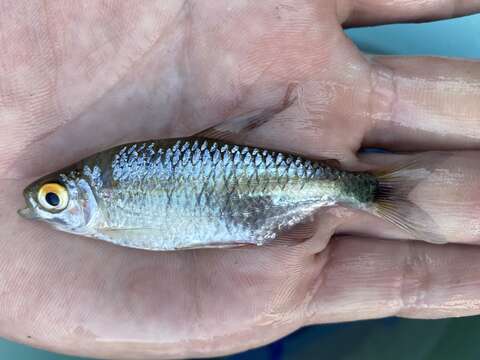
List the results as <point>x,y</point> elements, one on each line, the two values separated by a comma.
<point>177,193</point>
<point>197,192</point>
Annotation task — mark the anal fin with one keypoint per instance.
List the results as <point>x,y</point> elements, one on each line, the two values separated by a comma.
<point>297,233</point>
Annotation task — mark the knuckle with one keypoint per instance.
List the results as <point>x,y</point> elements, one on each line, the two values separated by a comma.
<point>416,279</point>
<point>382,93</point>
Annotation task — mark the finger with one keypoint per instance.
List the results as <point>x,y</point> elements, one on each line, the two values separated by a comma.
<point>422,103</point>
<point>371,12</point>
<point>367,278</point>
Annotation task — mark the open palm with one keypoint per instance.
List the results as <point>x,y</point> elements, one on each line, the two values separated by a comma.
<point>78,77</point>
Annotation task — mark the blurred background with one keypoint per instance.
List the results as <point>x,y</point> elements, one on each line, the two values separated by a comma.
<point>390,338</point>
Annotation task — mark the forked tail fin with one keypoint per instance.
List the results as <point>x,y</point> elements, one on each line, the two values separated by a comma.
<point>393,204</point>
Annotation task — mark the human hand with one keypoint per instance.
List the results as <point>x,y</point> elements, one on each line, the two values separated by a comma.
<point>78,77</point>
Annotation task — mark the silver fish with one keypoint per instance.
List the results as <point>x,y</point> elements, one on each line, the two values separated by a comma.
<point>200,192</point>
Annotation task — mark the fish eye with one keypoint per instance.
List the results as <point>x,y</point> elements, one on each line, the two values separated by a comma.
<point>53,196</point>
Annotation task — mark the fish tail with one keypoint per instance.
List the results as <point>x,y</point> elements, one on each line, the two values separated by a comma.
<point>392,202</point>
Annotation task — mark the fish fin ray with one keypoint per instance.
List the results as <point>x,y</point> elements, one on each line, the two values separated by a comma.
<point>235,129</point>
<point>299,232</point>
<point>392,201</point>
<point>296,234</point>
<point>334,163</point>
<point>121,233</point>
<point>219,245</point>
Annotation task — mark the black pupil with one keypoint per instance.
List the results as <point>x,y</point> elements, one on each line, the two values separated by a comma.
<point>52,199</point>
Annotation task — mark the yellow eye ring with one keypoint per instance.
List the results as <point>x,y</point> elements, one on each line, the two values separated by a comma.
<point>53,196</point>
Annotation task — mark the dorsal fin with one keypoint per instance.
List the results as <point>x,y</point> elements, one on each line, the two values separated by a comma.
<point>235,129</point>
<point>334,163</point>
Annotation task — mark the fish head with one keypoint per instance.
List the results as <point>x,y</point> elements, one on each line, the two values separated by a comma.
<point>65,202</point>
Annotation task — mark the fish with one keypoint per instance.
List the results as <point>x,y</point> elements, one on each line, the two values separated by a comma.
<point>209,191</point>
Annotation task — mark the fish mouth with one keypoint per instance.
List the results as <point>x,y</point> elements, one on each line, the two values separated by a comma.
<point>28,213</point>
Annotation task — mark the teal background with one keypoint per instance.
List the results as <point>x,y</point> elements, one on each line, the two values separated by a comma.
<point>377,339</point>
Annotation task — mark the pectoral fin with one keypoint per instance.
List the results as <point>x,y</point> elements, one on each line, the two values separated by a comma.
<point>130,238</point>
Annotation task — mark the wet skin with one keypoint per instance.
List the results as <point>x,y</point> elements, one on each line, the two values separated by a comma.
<point>77,79</point>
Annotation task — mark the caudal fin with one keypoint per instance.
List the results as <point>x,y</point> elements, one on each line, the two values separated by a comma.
<point>393,204</point>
